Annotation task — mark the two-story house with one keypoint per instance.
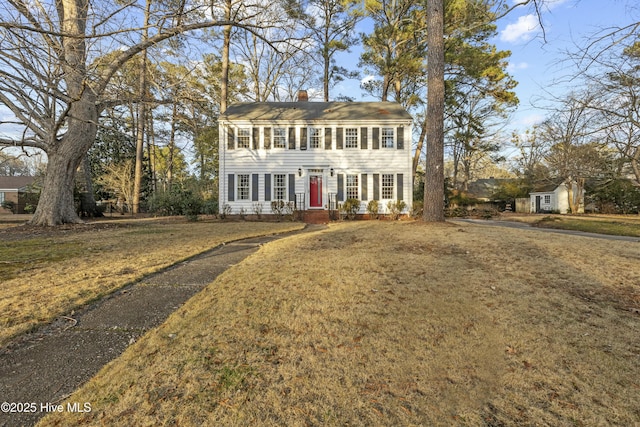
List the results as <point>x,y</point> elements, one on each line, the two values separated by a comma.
<point>314,154</point>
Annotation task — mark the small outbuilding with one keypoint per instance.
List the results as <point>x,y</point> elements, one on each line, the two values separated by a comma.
<point>554,198</point>
<point>14,191</point>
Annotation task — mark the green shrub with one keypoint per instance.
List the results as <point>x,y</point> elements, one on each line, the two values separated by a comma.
<point>395,208</point>
<point>350,207</point>
<point>8,204</point>
<point>373,209</point>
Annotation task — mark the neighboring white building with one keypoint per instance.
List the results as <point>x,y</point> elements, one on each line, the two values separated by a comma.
<point>314,154</point>
<point>553,198</point>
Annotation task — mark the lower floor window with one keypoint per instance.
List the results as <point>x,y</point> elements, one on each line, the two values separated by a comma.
<point>547,199</point>
<point>387,186</point>
<point>243,187</point>
<point>352,186</point>
<point>279,186</point>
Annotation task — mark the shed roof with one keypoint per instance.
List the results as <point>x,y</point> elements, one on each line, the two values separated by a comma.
<point>309,111</point>
<point>15,182</point>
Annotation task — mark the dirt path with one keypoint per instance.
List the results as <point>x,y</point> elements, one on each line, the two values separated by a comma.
<point>38,370</point>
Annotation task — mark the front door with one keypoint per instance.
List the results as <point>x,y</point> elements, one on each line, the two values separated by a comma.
<point>538,210</point>
<point>315,191</point>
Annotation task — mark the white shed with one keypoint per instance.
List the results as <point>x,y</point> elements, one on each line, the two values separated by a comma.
<point>553,198</point>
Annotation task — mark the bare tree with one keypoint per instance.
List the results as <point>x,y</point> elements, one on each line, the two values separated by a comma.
<point>54,84</point>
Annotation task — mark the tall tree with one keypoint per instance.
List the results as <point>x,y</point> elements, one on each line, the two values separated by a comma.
<point>54,88</point>
<point>434,173</point>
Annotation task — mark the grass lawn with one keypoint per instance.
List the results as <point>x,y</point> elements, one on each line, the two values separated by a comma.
<point>617,225</point>
<point>393,324</point>
<point>45,273</point>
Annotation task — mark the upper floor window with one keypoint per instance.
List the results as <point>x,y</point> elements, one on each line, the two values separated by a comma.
<point>244,137</point>
<point>243,187</point>
<point>279,138</point>
<point>387,137</point>
<point>315,137</point>
<point>351,138</point>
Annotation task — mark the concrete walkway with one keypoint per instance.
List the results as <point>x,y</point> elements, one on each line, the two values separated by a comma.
<point>41,369</point>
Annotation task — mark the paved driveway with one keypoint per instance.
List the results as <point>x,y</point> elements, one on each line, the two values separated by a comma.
<point>528,227</point>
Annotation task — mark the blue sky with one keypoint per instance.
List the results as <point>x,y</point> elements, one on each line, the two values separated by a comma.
<point>538,63</point>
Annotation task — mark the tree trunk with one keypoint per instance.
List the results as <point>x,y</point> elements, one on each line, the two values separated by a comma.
<point>226,42</point>
<point>56,205</point>
<point>434,172</point>
<point>418,153</point>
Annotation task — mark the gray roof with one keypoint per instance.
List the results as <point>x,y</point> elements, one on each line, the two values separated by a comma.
<point>309,111</point>
<point>15,182</point>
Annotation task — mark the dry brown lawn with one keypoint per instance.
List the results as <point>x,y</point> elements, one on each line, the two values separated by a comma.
<point>393,324</point>
<point>45,273</point>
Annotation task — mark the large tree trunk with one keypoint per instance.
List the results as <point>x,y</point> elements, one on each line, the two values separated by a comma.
<point>434,173</point>
<point>56,205</point>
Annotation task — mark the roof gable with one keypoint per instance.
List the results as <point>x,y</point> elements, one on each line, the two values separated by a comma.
<point>309,111</point>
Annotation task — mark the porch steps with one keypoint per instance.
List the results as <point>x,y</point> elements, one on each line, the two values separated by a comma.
<point>316,216</point>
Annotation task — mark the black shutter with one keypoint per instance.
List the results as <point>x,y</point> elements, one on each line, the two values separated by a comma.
<point>400,186</point>
<point>231,143</point>
<point>231,187</point>
<point>267,138</point>
<point>292,187</point>
<point>375,136</point>
<point>256,138</point>
<point>303,138</point>
<point>327,139</point>
<point>363,138</point>
<point>267,187</point>
<point>400,143</point>
<point>254,187</point>
<point>340,187</point>
<point>363,186</point>
<point>339,138</point>
<point>376,186</point>
<point>292,138</point>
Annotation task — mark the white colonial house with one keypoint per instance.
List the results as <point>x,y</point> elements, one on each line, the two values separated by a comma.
<point>314,154</point>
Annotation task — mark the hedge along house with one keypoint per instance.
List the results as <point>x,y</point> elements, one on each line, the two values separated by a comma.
<point>314,155</point>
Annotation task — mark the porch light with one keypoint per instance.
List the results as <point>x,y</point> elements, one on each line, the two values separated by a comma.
<point>331,171</point>
<point>299,171</point>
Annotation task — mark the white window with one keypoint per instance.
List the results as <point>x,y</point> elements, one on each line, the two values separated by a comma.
<point>244,137</point>
<point>352,186</point>
<point>351,138</point>
<point>279,138</point>
<point>243,187</point>
<point>547,199</point>
<point>279,186</point>
<point>1,197</point>
<point>387,137</point>
<point>387,186</point>
<point>315,138</point>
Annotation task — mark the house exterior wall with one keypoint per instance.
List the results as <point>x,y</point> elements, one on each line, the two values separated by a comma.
<point>247,148</point>
<point>8,196</point>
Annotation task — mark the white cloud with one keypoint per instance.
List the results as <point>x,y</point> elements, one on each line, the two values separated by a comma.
<point>523,30</point>
<point>512,67</point>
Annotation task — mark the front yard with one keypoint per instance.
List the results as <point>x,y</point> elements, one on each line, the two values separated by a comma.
<point>387,323</point>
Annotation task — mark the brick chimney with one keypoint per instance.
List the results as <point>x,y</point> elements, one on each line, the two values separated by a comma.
<point>303,96</point>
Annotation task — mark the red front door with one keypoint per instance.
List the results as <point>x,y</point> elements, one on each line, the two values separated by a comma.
<point>315,191</point>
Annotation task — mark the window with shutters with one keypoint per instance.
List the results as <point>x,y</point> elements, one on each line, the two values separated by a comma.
<point>279,138</point>
<point>315,138</point>
<point>387,186</point>
<point>352,186</point>
<point>243,187</point>
<point>351,138</point>
<point>279,187</point>
<point>244,137</point>
<point>387,138</point>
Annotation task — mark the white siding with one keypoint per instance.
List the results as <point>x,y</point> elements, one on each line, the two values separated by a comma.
<point>342,161</point>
